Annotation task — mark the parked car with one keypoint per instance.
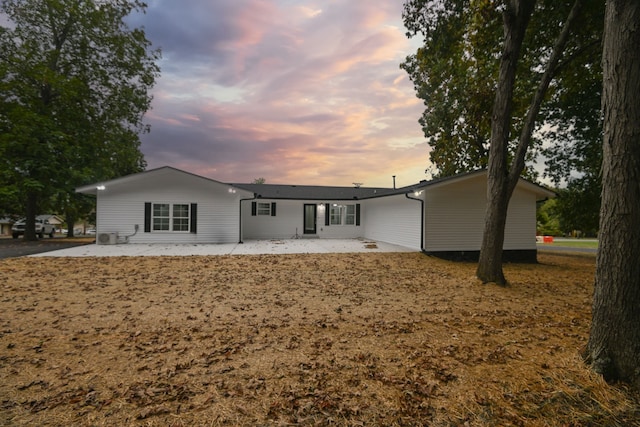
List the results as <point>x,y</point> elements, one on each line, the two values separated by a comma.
<point>42,227</point>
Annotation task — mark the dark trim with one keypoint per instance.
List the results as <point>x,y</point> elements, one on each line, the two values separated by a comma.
<point>194,218</point>
<point>273,208</point>
<point>240,215</point>
<point>254,208</point>
<point>327,214</point>
<point>357,214</point>
<point>421,219</point>
<point>525,256</point>
<point>147,217</point>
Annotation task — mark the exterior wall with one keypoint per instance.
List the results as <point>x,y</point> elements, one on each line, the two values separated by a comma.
<point>5,229</point>
<point>290,217</point>
<point>454,217</point>
<point>120,208</point>
<point>394,219</point>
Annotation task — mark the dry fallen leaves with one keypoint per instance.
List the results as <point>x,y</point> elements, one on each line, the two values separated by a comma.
<point>339,339</point>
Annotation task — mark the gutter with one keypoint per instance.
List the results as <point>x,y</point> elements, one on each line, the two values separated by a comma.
<point>255,196</point>
<point>421,219</point>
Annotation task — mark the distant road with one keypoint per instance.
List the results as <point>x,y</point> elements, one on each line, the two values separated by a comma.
<point>12,248</point>
<point>558,247</point>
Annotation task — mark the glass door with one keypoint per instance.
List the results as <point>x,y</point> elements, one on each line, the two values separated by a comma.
<point>310,218</point>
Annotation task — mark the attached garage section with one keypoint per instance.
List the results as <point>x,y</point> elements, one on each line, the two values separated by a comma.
<point>454,220</point>
<point>393,219</point>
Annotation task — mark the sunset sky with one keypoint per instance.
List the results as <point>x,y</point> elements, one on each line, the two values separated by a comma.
<point>296,92</point>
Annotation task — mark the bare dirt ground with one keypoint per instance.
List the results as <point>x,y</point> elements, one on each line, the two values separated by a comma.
<point>340,339</point>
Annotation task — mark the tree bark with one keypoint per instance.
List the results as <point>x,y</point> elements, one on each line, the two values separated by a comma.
<point>502,179</point>
<point>70,219</point>
<point>516,18</point>
<point>30,219</point>
<point>613,349</point>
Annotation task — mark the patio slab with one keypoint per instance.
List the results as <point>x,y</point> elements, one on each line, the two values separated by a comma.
<point>252,247</point>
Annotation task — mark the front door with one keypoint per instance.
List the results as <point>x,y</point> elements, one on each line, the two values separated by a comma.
<point>310,219</point>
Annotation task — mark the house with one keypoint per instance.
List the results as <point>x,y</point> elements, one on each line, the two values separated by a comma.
<point>444,217</point>
<point>5,226</point>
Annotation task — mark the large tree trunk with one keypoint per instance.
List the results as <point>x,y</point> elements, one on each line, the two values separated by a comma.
<point>516,18</point>
<point>490,262</point>
<point>614,343</point>
<point>30,219</point>
<point>70,219</point>
<point>502,179</point>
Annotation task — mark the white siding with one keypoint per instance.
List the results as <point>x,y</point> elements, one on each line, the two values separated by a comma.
<point>394,219</point>
<point>520,232</point>
<point>282,226</point>
<point>120,208</point>
<point>289,219</point>
<point>454,217</point>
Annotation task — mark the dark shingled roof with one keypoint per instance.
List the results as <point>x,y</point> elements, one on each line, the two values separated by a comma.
<point>315,192</point>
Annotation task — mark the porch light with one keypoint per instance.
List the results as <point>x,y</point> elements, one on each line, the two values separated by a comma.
<point>232,190</point>
<point>417,193</point>
<point>101,188</point>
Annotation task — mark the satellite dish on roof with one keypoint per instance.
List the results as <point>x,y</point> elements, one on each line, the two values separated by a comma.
<point>357,184</point>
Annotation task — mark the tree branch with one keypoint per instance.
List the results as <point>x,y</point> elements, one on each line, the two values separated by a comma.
<point>527,130</point>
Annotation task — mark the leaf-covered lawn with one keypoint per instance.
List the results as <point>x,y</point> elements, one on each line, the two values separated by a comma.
<point>350,339</point>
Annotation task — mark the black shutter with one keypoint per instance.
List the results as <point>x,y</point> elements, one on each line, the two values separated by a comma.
<point>327,214</point>
<point>194,218</point>
<point>273,209</point>
<point>254,208</point>
<point>357,213</point>
<point>147,217</point>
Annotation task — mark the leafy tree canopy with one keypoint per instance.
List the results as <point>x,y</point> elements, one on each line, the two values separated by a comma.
<point>74,85</point>
<point>455,73</point>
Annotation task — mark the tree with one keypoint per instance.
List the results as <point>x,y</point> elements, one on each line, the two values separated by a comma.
<point>502,177</point>
<point>573,122</point>
<point>455,73</point>
<point>74,85</point>
<point>575,206</point>
<point>613,348</point>
<point>547,218</point>
<point>533,56</point>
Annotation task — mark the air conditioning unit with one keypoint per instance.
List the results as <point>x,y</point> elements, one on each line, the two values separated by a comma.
<point>107,238</point>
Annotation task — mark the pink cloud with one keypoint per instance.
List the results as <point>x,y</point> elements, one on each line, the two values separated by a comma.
<point>305,93</point>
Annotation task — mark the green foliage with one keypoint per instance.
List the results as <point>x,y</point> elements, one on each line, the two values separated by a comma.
<point>547,219</point>
<point>578,207</point>
<point>74,85</point>
<point>455,73</point>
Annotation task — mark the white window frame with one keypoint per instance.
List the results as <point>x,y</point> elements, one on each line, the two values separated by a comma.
<point>343,216</point>
<point>173,223</point>
<point>263,209</point>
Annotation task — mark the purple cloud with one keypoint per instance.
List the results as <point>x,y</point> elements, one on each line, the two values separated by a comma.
<point>295,92</point>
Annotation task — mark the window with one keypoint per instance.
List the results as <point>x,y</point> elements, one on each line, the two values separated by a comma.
<point>336,214</point>
<point>343,215</point>
<point>167,217</point>
<point>160,217</point>
<point>264,209</point>
<point>180,217</point>
<point>350,215</point>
